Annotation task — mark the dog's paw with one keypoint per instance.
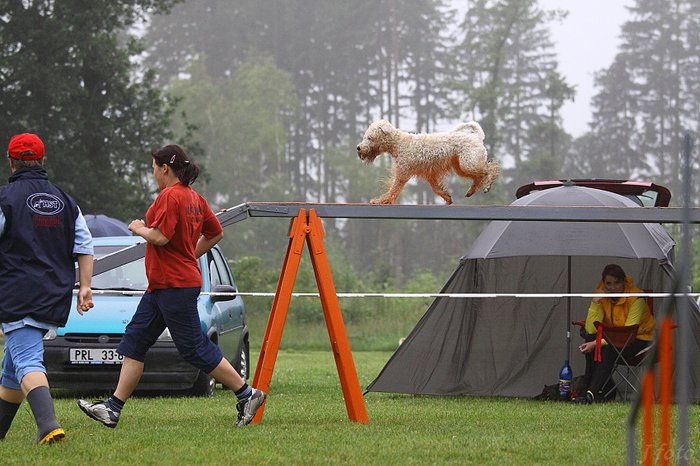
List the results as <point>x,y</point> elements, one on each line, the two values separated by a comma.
<point>380,200</point>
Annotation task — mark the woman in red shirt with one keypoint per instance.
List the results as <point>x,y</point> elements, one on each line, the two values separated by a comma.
<point>180,226</point>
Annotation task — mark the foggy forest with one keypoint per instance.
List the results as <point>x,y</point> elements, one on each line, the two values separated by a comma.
<point>272,97</point>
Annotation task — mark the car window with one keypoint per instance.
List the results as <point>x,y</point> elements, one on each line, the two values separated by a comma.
<point>217,262</point>
<point>131,276</point>
<point>213,271</point>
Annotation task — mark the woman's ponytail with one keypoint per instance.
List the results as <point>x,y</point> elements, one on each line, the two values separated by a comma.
<point>175,157</point>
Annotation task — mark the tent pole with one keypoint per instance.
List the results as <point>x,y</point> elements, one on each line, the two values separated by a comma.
<point>568,310</point>
<point>683,309</point>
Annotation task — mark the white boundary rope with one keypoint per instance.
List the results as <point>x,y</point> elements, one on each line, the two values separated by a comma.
<point>422,295</point>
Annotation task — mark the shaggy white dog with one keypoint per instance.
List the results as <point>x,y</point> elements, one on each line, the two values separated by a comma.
<point>430,156</point>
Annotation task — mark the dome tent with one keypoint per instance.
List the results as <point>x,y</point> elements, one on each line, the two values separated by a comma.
<point>510,347</point>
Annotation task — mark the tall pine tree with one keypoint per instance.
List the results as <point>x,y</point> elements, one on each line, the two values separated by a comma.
<point>66,73</point>
<point>650,96</point>
<point>511,84</point>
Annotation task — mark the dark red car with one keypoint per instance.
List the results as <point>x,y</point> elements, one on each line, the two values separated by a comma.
<point>643,193</point>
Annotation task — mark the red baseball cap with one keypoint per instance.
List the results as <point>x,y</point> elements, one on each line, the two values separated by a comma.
<point>25,146</point>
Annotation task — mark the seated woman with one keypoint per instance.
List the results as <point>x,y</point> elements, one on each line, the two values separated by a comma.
<point>617,312</point>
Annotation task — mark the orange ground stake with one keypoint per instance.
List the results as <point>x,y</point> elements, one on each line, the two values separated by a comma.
<point>648,428</point>
<point>666,388</point>
<point>312,231</point>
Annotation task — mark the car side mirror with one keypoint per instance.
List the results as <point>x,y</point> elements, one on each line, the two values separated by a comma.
<point>223,289</point>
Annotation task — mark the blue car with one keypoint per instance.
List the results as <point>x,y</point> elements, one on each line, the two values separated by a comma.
<point>82,355</point>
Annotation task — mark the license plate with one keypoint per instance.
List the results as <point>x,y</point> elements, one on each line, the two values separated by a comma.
<point>95,356</point>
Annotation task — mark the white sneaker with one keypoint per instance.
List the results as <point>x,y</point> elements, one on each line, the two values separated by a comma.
<point>249,406</point>
<point>99,411</point>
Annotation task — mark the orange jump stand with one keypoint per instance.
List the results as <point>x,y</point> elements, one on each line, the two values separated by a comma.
<point>665,399</point>
<point>311,230</point>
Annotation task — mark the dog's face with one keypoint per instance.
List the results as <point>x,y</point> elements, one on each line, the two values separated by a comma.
<point>377,140</point>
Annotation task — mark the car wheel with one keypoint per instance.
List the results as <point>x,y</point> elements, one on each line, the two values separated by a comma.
<point>204,385</point>
<point>242,364</point>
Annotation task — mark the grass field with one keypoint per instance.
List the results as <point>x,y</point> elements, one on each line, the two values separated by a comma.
<point>305,422</point>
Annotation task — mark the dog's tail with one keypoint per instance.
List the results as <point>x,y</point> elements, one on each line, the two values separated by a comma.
<point>472,127</point>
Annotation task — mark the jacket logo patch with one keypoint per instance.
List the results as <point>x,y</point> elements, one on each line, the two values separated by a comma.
<point>45,204</point>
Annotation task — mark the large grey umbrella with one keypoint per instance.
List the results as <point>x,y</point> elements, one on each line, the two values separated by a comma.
<point>631,240</point>
<point>102,225</point>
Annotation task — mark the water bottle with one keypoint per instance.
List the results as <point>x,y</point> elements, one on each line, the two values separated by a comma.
<point>565,379</point>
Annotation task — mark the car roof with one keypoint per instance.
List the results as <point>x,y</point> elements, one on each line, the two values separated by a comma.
<point>116,240</point>
<point>644,193</point>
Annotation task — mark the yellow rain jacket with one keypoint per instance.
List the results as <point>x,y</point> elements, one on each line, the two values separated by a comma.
<point>628,310</point>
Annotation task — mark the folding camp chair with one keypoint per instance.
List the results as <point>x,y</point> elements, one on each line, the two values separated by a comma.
<point>625,373</point>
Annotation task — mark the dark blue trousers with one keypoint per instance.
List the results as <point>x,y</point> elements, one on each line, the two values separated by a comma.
<point>176,309</point>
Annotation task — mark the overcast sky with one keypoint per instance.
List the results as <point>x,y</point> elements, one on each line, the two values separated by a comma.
<point>586,42</point>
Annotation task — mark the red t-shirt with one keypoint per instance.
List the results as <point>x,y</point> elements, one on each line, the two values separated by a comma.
<point>182,215</point>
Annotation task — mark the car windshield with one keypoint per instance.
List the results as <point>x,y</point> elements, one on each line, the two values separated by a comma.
<point>647,198</point>
<point>131,276</point>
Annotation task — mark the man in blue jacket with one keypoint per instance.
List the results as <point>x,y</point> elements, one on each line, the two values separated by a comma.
<point>42,233</point>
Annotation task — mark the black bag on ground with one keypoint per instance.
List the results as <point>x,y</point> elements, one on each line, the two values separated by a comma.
<point>551,392</point>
